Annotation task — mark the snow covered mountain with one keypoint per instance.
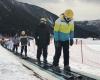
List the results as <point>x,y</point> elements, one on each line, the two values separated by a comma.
<point>85,29</point>
<point>16,16</point>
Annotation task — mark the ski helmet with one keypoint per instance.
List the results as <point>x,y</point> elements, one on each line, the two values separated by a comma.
<point>23,32</point>
<point>69,13</point>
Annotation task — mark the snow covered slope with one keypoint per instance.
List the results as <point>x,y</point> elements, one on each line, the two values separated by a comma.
<point>90,65</point>
<point>11,69</point>
<point>14,67</point>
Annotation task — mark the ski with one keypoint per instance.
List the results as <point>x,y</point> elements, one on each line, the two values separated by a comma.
<point>71,73</point>
<point>48,68</point>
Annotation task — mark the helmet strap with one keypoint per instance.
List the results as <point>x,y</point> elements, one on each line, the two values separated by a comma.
<point>67,20</point>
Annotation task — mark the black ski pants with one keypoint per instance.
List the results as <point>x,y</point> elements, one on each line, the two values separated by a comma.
<point>15,47</point>
<point>58,49</point>
<point>24,48</point>
<point>42,50</point>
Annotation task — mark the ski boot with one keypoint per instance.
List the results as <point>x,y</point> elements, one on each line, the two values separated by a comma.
<point>38,61</point>
<point>25,57</point>
<point>45,65</point>
<point>67,68</point>
<point>45,61</point>
<point>56,68</point>
<point>21,55</point>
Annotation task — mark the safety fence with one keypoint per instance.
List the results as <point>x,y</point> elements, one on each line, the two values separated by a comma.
<point>88,55</point>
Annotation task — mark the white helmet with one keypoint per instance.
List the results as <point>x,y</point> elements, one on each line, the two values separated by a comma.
<point>23,32</point>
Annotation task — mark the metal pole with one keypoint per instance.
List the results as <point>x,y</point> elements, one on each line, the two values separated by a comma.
<point>81,51</point>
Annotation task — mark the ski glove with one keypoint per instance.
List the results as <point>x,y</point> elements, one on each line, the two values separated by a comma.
<point>71,42</point>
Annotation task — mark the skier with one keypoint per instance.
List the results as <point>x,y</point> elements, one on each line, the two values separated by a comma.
<point>15,43</point>
<point>42,39</point>
<point>24,41</point>
<point>63,37</point>
<point>3,41</point>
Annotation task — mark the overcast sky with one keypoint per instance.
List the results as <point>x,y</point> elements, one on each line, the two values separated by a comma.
<point>83,9</point>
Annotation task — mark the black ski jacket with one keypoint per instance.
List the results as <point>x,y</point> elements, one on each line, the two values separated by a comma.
<point>23,40</point>
<point>42,35</point>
